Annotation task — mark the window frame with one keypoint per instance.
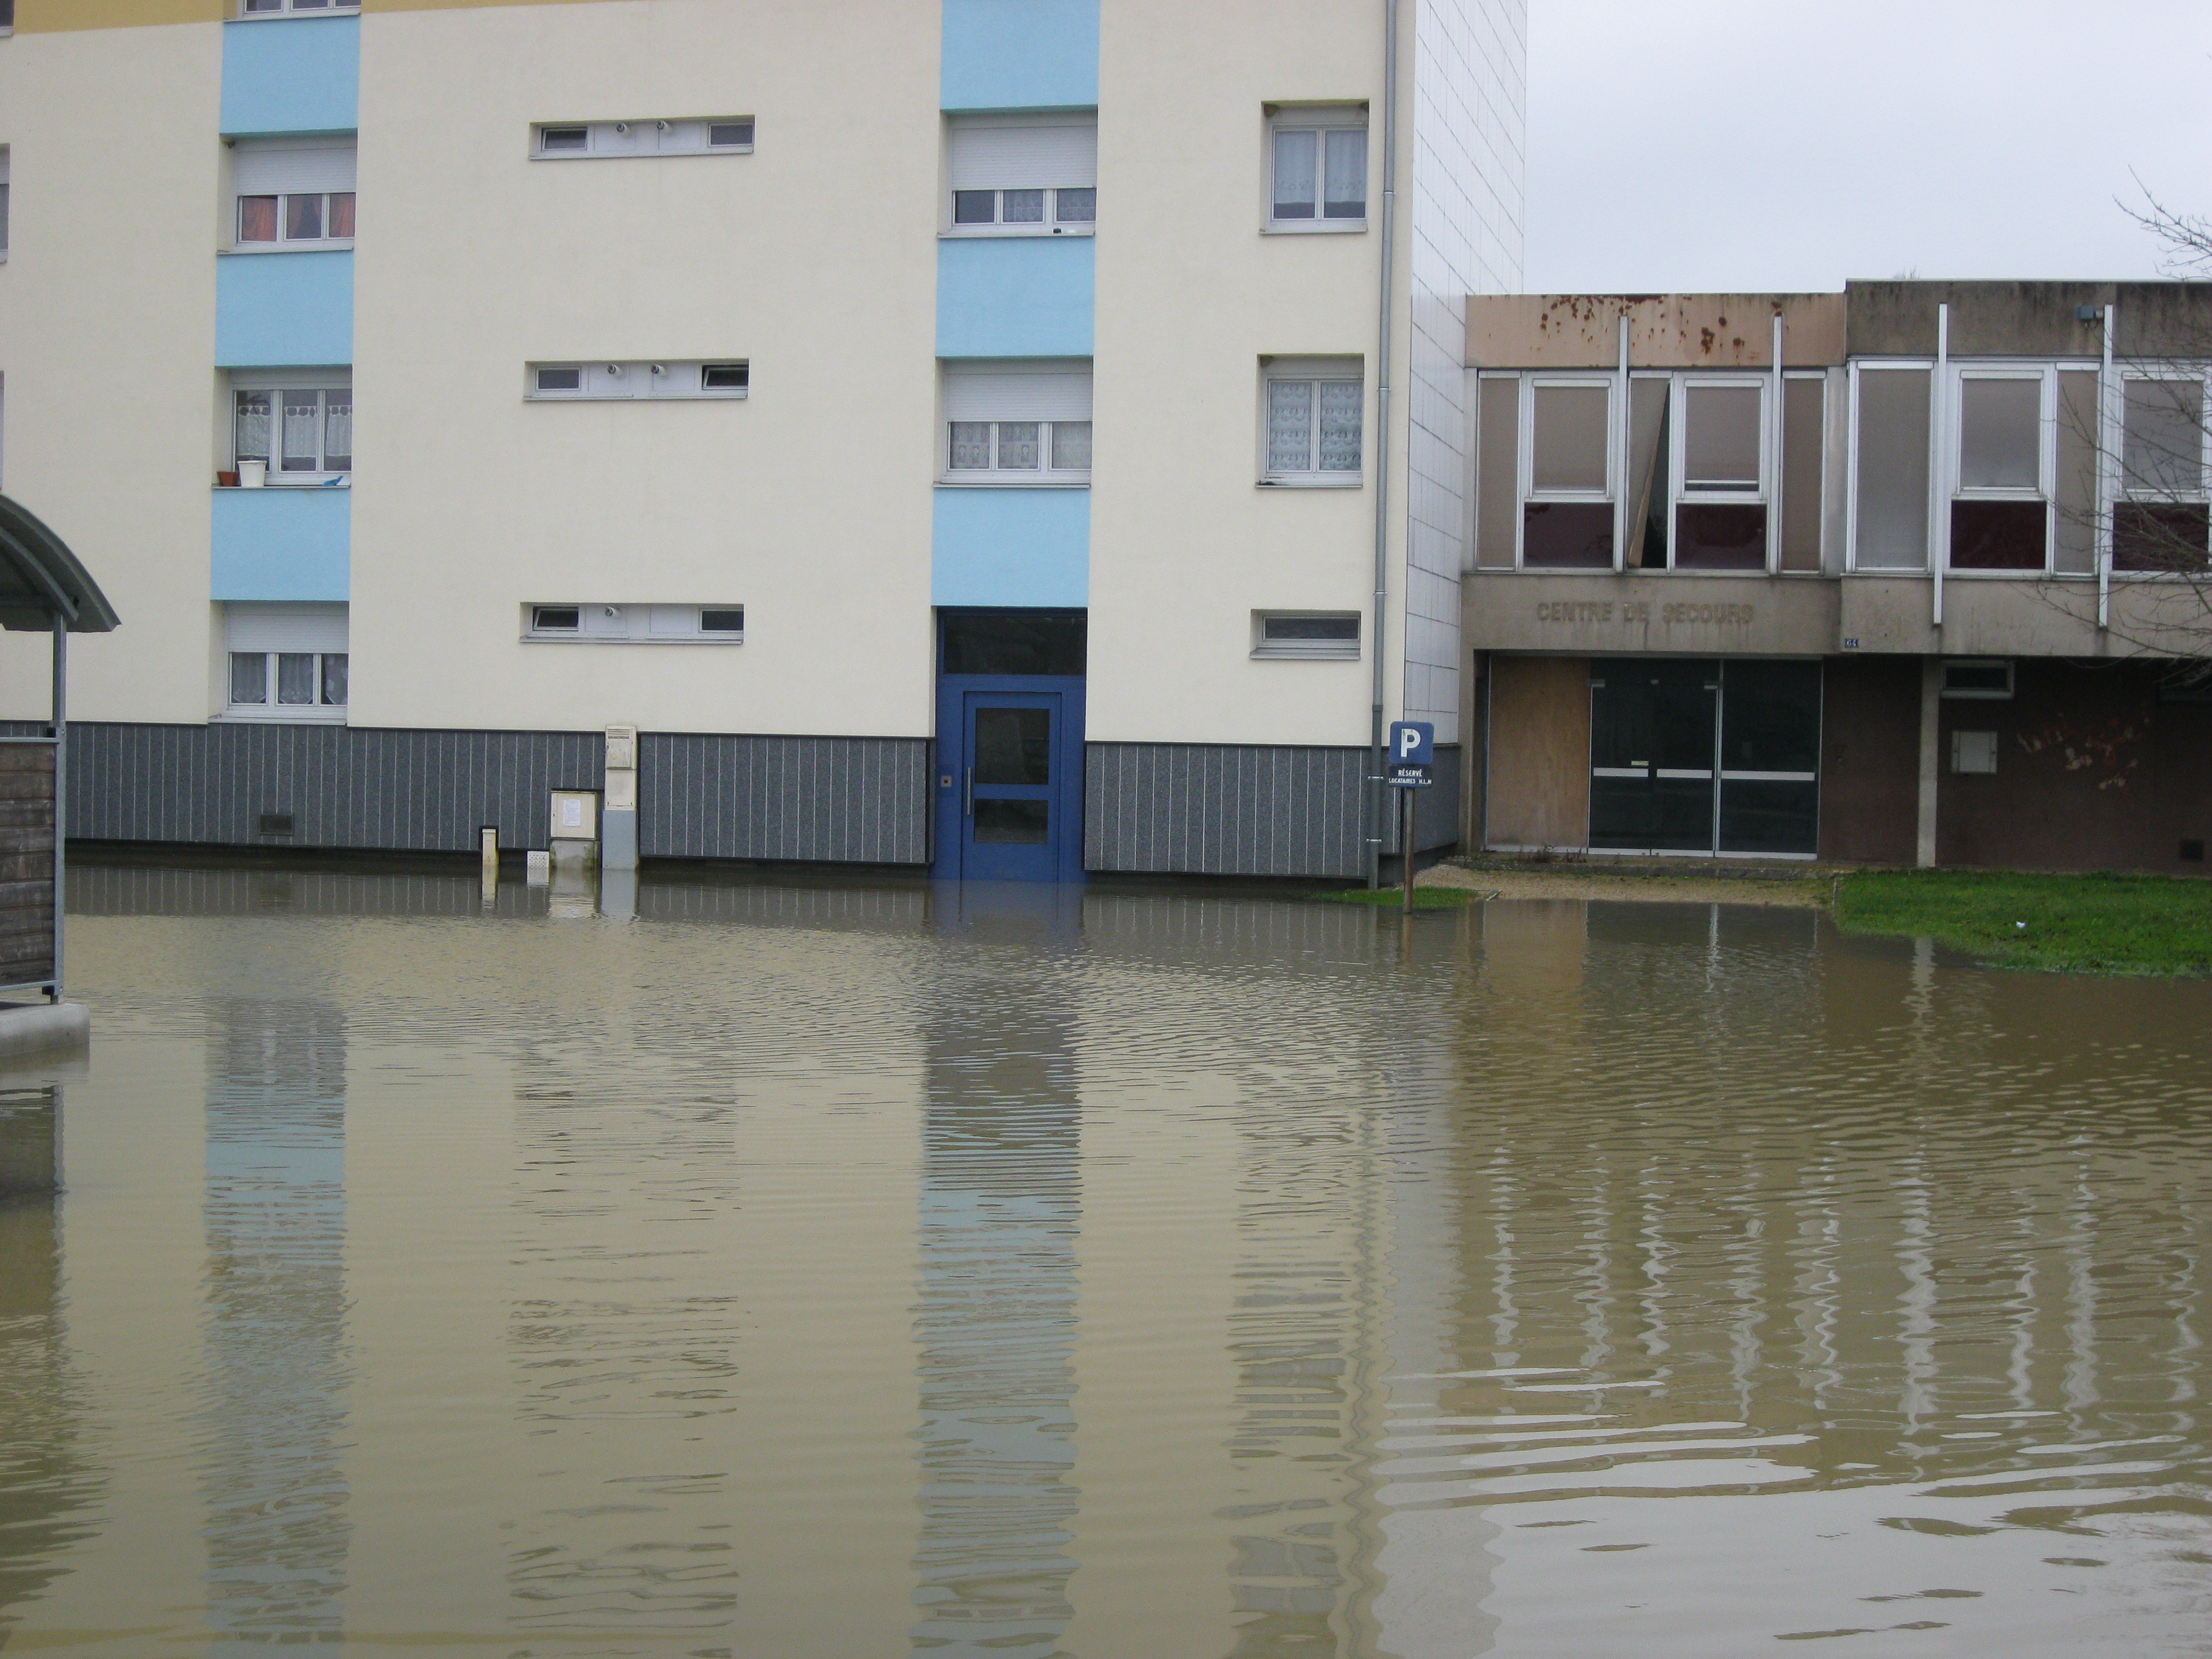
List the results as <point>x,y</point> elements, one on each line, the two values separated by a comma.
<point>1950,445</point>
<point>1320,119</point>
<point>1044,474</point>
<point>602,380</point>
<point>1266,650</point>
<point>281,9</point>
<point>275,385</point>
<point>1051,225</point>
<point>2168,374</point>
<point>639,621</point>
<point>321,711</point>
<point>1315,373</point>
<point>1857,416</point>
<point>281,243</point>
<point>1946,691</point>
<point>661,126</point>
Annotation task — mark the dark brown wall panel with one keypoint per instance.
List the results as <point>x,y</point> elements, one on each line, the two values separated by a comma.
<point>1869,758</point>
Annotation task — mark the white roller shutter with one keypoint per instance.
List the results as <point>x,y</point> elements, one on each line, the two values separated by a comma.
<point>1004,390</point>
<point>989,152</point>
<point>290,167</point>
<point>285,627</point>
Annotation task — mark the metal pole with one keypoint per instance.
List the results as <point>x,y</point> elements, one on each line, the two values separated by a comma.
<point>2112,410</point>
<point>1939,484</point>
<point>1406,815</point>
<point>61,782</point>
<point>1374,814</point>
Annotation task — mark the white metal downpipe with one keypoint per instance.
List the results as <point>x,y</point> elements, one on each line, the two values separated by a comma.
<point>1376,817</point>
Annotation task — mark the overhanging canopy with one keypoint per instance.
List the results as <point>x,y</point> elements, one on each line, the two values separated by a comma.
<point>40,576</point>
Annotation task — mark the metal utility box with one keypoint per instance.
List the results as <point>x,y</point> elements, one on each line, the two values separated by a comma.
<point>575,815</point>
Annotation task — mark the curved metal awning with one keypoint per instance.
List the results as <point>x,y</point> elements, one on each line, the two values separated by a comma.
<point>40,576</point>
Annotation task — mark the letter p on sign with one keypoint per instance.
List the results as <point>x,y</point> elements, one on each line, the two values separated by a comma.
<point>1413,743</point>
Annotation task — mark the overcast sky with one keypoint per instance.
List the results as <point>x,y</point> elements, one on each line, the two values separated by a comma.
<point>1788,144</point>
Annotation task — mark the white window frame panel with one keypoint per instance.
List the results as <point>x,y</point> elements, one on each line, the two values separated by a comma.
<point>2166,373</point>
<point>1059,168</point>
<point>1679,492</point>
<point>602,622</point>
<point>1312,371</point>
<point>1877,365</point>
<point>664,379</point>
<point>261,11</point>
<point>651,135</point>
<point>1950,456</point>
<point>277,383</point>
<point>1524,474</point>
<point>1045,392</point>
<point>1265,649</point>
<point>273,630</point>
<point>2123,494</point>
<point>1320,120</point>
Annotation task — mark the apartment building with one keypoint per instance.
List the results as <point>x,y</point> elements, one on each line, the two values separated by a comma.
<point>1915,573</point>
<point>1012,438</point>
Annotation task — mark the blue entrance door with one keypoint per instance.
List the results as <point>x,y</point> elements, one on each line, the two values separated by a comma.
<point>1009,779</point>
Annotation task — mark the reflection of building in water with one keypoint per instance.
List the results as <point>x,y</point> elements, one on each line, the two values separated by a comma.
<point>274,1483</point>
<point>1000,1204</point>
<point>1719,1176</point>
<point>41,1473</point>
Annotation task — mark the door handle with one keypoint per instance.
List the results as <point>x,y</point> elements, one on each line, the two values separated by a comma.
<point>967,794</point>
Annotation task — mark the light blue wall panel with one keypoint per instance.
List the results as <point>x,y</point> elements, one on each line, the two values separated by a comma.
<point>1020,54</point>
<point>283,544</point>
<point>1014,296</point>
<point>291,75</point>
<point>1022,546</point>
<point>276,310</point>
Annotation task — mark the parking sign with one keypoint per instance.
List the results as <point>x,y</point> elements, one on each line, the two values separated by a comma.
<point>1413,743</point>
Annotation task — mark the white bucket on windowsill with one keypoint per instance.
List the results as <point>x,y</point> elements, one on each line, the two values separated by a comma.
<point>253,475</point>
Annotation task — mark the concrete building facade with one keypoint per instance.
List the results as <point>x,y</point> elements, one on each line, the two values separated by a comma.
<point>1916,573</point>
<point>734,371</point>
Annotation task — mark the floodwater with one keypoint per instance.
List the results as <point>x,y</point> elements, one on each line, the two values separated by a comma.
<point>804,1271</point>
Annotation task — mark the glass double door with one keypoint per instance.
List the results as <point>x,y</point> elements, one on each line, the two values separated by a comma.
<point>1698,754</point>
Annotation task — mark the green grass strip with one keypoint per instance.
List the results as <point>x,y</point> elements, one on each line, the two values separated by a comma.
<point>1394,898</point>
<point>2083,924</point>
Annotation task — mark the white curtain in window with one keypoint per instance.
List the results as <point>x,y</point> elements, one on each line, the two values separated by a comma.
<point>1295,166</point>
<point>971,446</point>
<point>1071,446</point>
<point>1018,446</point>
<point>338,431</point>
<point>1290,426</point>
<point>303,412</point>
<point>250,442</point>
<point>1345,196</point>
<point>1340,426</point>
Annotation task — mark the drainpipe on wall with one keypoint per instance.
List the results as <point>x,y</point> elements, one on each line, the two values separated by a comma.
<point>1376,818</point>
<point>2111,413</point>
<point>1939,475</point>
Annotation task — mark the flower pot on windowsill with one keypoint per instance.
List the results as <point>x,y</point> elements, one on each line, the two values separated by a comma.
<point>253,475</point>
<point>225,481</point>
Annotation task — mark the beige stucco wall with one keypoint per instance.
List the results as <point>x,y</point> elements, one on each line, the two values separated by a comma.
<point>107,339</point>
<point>1191,294</point>
<point>815,258</point>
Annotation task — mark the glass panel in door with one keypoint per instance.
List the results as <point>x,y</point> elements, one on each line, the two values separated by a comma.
<point>1009,826</point>
<point>1652,724</point>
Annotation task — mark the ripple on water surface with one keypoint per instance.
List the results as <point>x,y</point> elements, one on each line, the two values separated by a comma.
<point>812,1268</point>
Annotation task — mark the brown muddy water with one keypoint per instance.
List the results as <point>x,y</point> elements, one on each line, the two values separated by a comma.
<point>813,1271</point>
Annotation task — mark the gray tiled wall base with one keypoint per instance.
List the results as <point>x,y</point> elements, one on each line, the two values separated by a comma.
<point>835,800</point>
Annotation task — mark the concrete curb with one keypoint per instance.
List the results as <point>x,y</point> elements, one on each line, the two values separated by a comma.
<point>30,1028</point>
